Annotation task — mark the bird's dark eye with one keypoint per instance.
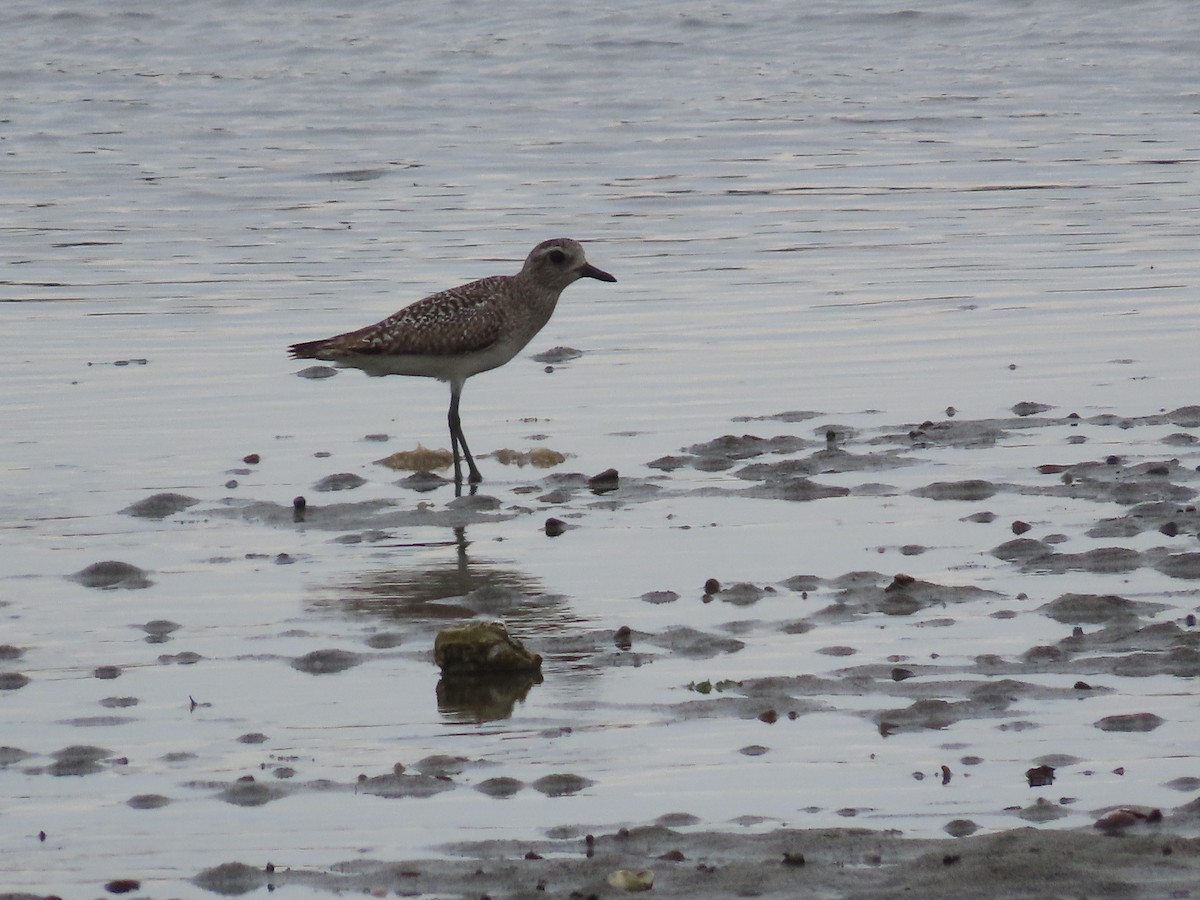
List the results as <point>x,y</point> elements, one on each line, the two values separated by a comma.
<point>557,257</point>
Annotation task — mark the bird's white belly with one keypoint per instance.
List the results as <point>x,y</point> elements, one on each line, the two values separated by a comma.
<point>449,367</point>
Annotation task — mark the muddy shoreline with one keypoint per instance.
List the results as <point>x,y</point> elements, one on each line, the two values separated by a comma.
<point>950,687</point>
<point>852,864</point>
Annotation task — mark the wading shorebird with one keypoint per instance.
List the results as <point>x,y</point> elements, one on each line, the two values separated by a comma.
<point>460,332</point>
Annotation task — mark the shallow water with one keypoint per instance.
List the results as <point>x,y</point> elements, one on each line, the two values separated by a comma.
<point>870,213</point>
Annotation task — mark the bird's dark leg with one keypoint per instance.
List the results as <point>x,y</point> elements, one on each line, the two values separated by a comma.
<point>458,439</point>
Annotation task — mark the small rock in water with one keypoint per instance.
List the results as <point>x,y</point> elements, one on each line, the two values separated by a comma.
<point>481,647</point>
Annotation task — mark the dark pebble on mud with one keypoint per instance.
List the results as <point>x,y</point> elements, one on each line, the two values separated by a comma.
<point>400,786</point>
<point>605,482</point>
<point>981,518</point>
<point>160,627</point>
<point>623,637</point>
<point>741,594</point>
<point>340,481</point>
<point>558,354</point>
<point>326,662</point>
<point>147,801</point>
<point>554,527</point>
<point>423,482</point>
<point>1019,527</point>
<point>969,489</point>
<point>159,506</point>
<point>712,586</point>
<point>561,785</point>
<point>1092,609</point>
<point>10,755</point>
<point>12,681</point>
<point>231,879</point>
<point>769,716</point>
<point>1029,408</point>
<point>753,750</point>
<point>899,674</point>
<point>1180,565</point>
<point>119,702</point>
<point>677,820</point>
<point>1134,722</point>
<point>500,788</point>
<point>112,574</point>
<point>659,597</point>
<point>441,765</point>
<point>251,459</point>
<point>384,640</point>
<point>249,793</point>
<point>106,673</point>
<point>122,885</point>
<point>837,650</point>
<point>78,759</point>
<point>186,658</point>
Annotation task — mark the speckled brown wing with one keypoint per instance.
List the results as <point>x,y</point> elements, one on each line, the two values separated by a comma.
<point>453,322</point>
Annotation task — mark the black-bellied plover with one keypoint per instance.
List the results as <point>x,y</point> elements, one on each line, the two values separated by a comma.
<point>454,334</point>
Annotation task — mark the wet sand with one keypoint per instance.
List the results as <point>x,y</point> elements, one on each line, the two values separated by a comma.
<point>1090,648</point>
<point>853,864</point>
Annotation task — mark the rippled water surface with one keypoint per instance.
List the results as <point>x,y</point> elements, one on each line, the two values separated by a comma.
<point>869,212</point>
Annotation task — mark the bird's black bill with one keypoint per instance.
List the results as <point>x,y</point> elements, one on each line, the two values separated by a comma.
<point>590,271</point>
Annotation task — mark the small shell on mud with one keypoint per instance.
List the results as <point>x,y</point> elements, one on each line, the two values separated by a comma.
<point>629,880</point>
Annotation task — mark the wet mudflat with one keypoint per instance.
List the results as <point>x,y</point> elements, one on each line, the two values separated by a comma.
<point>1016,660</point>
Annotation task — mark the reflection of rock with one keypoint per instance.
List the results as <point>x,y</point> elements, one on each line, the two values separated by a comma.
<point>484,699</point>
<point>482,647</point>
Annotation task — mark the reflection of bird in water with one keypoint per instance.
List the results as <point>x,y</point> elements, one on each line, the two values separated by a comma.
<point>462,331</point>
